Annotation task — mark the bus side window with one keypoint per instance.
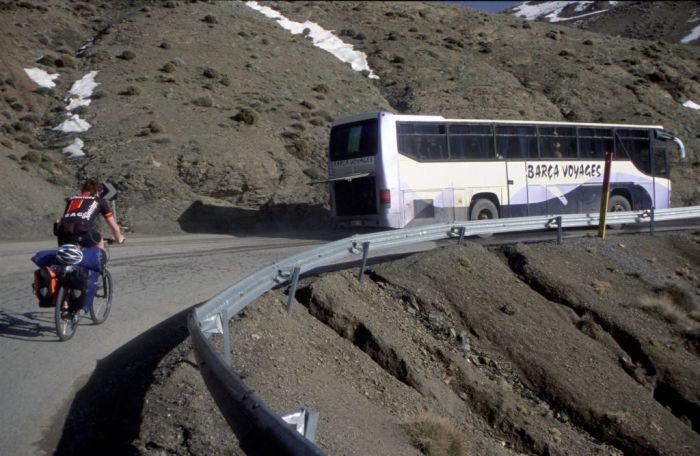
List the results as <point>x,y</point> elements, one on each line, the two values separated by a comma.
<point>594,148</point>
<point>471,147</point>
<point>516,142</point>
<point>433,148</point>
<point>634,145</point>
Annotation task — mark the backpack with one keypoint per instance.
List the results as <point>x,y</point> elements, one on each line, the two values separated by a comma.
<point>45,286</point>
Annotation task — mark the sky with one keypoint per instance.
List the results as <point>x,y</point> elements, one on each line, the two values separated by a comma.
<point>81,91</point>
<point>491,7</point>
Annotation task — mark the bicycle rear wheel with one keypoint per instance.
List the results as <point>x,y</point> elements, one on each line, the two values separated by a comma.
<point>66,319</point>
<point>102,304</point>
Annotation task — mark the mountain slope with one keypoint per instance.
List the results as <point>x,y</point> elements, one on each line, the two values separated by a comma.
<point>210,116</point>
<point>673,22</point>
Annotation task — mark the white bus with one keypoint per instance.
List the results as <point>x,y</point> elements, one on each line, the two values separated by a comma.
<point>390,170</point>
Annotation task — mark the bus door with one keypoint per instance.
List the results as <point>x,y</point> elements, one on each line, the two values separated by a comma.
<point>516,184</point>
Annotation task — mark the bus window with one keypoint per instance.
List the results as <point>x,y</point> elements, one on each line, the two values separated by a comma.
<point>593,143</point>
<point>354,140</point>
<point>558,142</point>
<point>516,142</point>
<point>594,148</point>
<point>422,141</point>
<point>471,142</point>
<point>634,145</point>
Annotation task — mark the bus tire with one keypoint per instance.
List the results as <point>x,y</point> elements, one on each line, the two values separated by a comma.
<point>618,203</point>
<point>483,209</point>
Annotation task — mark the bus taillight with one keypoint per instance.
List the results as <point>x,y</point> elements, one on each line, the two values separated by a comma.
<point>385,197</point>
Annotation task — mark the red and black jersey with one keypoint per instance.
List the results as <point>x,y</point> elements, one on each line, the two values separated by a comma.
<point>81,212</point>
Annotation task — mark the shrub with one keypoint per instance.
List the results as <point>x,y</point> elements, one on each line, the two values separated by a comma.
<point>66,60</point>
<point>131,90</point>
<point>127,55</point>
<point>204,101</point>
<point>48,60</point>
<point>32,156</point>
<point>210,73</point>
<point>436,436</point>
<point>247,116</point>
<point>155,127</point>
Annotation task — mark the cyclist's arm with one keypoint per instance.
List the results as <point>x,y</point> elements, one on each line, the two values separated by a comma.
<point>116,232</point>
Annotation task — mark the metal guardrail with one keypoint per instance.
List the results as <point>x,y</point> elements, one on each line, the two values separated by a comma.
<point>262,431</point>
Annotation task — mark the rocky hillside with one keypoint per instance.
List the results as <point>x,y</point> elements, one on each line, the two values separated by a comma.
<point>210,116</point>
<point>674,22</point>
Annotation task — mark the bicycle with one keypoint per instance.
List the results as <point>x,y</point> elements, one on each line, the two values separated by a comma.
<point>66,314</point>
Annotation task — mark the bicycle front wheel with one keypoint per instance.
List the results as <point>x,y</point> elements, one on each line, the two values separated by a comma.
<point>101,305</point>
<point>66,319</point>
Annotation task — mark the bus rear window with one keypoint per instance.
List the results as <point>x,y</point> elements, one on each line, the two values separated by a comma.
<point>354,140</point>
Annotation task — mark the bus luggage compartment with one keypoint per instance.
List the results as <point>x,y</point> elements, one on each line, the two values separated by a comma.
<point>355,197</point>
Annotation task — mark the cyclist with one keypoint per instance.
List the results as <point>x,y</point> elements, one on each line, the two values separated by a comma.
<point>77,225</point>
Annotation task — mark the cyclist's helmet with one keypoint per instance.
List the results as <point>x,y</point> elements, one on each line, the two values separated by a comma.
<point>69,254</point>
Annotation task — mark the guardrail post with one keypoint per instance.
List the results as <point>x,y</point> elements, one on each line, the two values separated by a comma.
<point>560,230</point>
<point>365,250</point>
<point>293,288</point>
<point>651,224</point>
<point>223,316</point>
<point>462,229</point>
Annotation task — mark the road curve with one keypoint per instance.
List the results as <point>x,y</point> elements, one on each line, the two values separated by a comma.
<point>155,278</point>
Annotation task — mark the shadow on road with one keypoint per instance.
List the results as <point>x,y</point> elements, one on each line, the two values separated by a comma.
<point>30,326</point>
<point>285,220</point>
<point>105,416</point>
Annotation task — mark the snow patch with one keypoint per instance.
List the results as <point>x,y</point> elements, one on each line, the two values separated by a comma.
<point>76,102</point>
<point>41,77</point>
<point>692,36</point>
<point>75,150</point>
<point>531,10</point>
<point>691,105</point>
<point>573,18</point>
<point>84,87</point>
<point>551,10</point>
<point>74,124</point>
<point>81,91</point>
<point>322,38</point>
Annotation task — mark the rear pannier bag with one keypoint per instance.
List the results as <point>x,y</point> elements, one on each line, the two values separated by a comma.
<point>77,281</point>
<point>45,286</point>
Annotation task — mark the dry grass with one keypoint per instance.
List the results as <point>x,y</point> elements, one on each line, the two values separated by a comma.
<point>436,435</point>
<point>600,286</point>
<point>667,306</point>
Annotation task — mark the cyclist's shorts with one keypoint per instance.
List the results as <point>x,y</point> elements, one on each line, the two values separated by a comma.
<point>89,239</point>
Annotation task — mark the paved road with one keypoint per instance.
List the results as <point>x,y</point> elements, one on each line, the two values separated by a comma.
<point>155,278</point>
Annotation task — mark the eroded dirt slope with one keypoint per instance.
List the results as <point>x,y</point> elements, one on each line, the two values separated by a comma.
<point>590,347</point>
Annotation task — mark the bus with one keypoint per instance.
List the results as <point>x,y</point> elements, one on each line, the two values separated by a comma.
<point>394,171</point>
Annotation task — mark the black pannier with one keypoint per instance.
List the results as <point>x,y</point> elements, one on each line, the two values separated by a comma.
<point>45,286</point>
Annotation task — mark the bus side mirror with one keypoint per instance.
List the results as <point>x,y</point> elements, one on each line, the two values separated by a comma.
<point>659,134</point>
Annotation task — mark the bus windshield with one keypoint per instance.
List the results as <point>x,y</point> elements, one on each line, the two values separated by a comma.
<point>354,140</point>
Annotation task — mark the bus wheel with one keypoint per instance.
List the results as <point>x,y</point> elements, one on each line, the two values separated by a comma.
<point>618,203</point>
<point>484,209</point>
